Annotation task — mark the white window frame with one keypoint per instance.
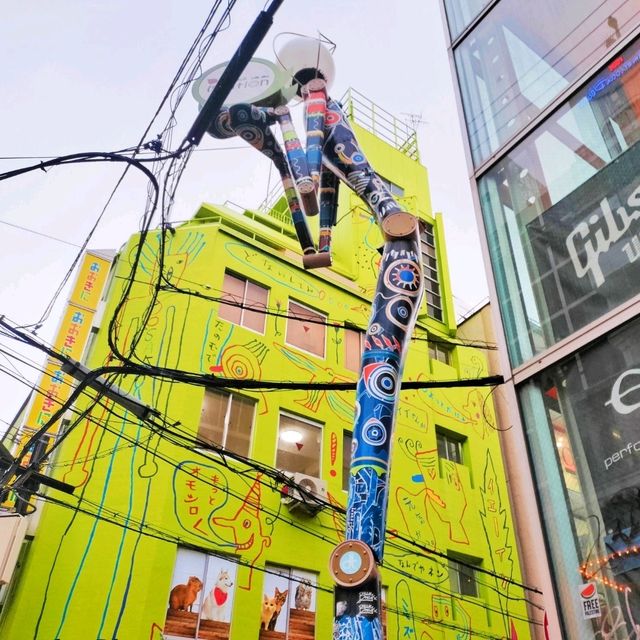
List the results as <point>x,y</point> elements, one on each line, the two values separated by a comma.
<point>227,415</point>
<point>428,239</point>
<point>243,304</point>
<point>440,348</point>
<point>456,566</point>
<point>449,437</point>
<point>291,317</point>
<point>319,425</point>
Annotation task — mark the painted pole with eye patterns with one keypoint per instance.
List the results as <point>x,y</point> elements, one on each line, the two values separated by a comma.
<point>315,107</point>
<point>328,194</point>
<point>297,162</point>
<point>252,124</point>
<point>354,563</point>
<point>394,313</point>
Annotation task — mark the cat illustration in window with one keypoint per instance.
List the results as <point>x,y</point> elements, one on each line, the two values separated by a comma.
<point>268,609</point>
<point>303,595</point>
<point>279,597</point>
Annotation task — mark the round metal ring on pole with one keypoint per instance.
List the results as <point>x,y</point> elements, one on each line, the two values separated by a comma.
<point>352,563</point>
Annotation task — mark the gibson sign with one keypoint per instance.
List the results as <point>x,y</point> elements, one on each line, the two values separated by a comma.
<point>586,248</point>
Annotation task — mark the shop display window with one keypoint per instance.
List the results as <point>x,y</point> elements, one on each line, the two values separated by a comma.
<point>200,601</point>
<point>582,419</point>
<point>288,604</point>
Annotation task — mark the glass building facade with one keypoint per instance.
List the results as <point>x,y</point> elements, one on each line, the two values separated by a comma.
<point>549,93</point>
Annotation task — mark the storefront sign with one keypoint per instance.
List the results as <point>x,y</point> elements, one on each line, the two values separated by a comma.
<point>605,393</point>
<point>603,83</point>
<point>586,247</point>
<point>261,82</point>
<point>618,400</point>
<point>595,397</point>
<point>591,239</point>
<point>54,388</point>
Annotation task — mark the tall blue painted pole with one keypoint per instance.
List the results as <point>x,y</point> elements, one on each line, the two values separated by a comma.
<point>394,312</point>
<point>354,563</point>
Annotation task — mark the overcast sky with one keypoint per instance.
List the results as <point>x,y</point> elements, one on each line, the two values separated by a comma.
<point>87,75</point>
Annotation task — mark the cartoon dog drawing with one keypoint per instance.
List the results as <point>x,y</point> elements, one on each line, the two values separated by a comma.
<point>214,605</point>
<point>183,596</point>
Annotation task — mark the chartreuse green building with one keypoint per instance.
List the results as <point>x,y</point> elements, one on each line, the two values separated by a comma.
<point>179,526</point>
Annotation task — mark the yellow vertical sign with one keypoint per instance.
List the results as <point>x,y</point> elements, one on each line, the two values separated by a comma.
<point>90,281</point>
<point>54,387</point>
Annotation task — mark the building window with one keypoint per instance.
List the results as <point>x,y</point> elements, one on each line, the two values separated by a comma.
<point>353,347</point>
<point>581,415</point>
<point>430,268</point>
<point>462,576</point>
<point>243,302</point>
<point>288,605</point>
<point>461,13</point>
<point>306,329</point>
<point>227,420</point>
<point>347,440</point>
<point>449,446</point>
<point>439,352</point>
<point>299,445</point>
<point>201,596</point>
<point>394,189</point>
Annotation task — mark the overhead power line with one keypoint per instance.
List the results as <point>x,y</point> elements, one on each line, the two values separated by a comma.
<point>38,233</point>
<point>194,445</point>
<point>125,521</point>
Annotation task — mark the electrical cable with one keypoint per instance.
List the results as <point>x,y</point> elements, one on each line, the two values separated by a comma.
<point>125,370</point>
<point>184,149</point>
<point>279,477</point>
<point>198,446</point>
<point>38,233</point>
<point>136,149</point>
<point>125,522</point>
<point>276,474</point>
<point>94,401</point>
<point>396,570</point>
<point>207,380</point>
<point>213,381</point>
<point>334,324</point>
<point>338,324</point>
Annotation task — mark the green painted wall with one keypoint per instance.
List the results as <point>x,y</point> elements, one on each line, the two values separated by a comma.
<point>109,577</point>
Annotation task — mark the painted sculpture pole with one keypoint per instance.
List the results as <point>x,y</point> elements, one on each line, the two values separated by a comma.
<point>310,182</point>
<point>394,311</point>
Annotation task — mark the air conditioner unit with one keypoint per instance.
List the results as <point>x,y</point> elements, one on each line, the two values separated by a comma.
<point>304,493</point>
<point>12,531</point>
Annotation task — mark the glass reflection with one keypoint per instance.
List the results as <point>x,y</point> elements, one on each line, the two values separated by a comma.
<point>460,13</point>
<point>562,212</point>
<point>589,405</point>
<point>517,60</point>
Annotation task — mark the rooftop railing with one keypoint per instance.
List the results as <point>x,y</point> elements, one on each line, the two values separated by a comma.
<point>381,123</point>
<point>369,116</point>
